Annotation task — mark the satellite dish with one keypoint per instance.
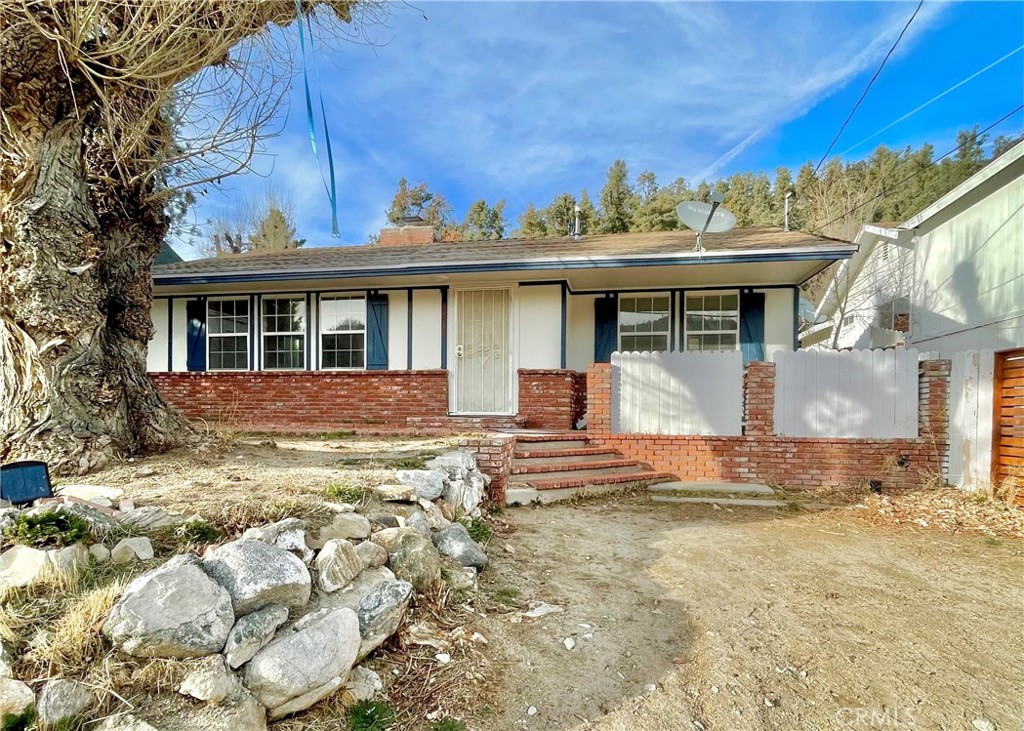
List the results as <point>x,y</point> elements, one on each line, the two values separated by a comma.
<point>696,214</point>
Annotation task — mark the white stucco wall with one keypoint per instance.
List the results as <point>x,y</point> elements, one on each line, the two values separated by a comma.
<point>426,329</point>
<point>398,331</point>
<point>778,321</point>
<point>156,354</point>
<point>580,343</point>
<point>968,291</point>
<point>540,326</point>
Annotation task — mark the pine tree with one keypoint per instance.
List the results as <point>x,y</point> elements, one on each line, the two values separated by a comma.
<point>590,220</point>
<point>616,199</point>
<point>531,224</point>
<point>484,222</point>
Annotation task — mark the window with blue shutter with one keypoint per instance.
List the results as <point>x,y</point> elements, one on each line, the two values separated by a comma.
<point>606,326</point>
<point>752,325</point>
<point>377,332</point>
<point>195,315</point>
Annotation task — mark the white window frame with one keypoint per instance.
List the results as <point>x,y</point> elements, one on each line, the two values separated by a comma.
<point>321,332</point>
<point>634,295</point>
<point>248,331</point>
<point>275,333</point>
<point>683,344</point>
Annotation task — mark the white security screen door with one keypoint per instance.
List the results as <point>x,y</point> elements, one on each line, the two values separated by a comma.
<point>483,361</point>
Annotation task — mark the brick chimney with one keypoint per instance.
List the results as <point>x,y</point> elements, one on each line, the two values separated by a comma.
<point>412,231</point>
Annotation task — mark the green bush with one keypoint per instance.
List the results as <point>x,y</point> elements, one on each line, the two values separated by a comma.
<point>478,530</point>
<point>198,531</point>
<point>346,493</point>
<point>370,716</point>
<point>48,529</point>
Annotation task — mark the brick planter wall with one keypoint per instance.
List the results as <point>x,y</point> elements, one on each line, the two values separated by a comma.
<point>551,399</point>
<point>309,400</point>
<point>494,458</point>
<point>800,463</point>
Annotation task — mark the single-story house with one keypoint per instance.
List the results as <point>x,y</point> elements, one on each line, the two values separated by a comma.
<point>415,333</point>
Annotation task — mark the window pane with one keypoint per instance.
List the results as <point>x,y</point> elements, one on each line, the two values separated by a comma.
<point>730,302</point>
<point>729,323</point>
<point>694,323</point>
<point>343,350</point>
<point>710,342</point>
<point>283,351</point>
<point>627,304</point>
<point>342,314</point>
<point>693,342</point>
<point>712,302</point>
<point>712,323</point>
<point>284,315</point>
<point>728,342</point>
<point>229,352</point>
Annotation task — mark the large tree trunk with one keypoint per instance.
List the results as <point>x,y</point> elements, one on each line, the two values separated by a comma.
<point>75,316</point>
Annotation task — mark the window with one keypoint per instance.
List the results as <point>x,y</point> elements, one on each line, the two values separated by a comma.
<point>284,332</point>
<point>712,321</point>
<point>895,315</point>
<point>343,332</point>
<point>227,328</point>
<point>644,323</point>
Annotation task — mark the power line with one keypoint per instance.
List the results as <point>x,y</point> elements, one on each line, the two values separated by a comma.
<point>956,86</point>
<point>868,87</point>
<point>886,191</point>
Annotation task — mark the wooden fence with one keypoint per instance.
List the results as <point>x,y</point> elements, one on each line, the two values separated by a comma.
<point>677,393</point>
<point>865,394</point>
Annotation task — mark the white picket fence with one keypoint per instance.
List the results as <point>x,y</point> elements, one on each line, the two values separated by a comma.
<point>677,393</point>
<point>847,394</point>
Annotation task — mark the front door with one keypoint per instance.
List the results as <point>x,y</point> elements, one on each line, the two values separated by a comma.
<point>483,357</point>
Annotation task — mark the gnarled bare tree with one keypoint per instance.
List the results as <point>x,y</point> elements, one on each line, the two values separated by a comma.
<point>108,106</point>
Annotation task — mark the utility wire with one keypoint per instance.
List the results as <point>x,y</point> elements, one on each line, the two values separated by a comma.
<point>913,175</point>
<point>867,88</point>
<point>956,86</point>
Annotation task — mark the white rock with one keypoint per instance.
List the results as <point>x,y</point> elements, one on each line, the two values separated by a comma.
<point>315,653</point>
<point>337,564</point>
<point>983,724</point>
<point>531,711</point>
<point>380,613</point>
<point>304,701</point>
<point>353,594</point>
<point>569,643</point>
<point>99,552</point>
<point>542,609</point>
<point>23,566</point>
<point>90,492</point>
<point>125,722</point>
<point>650,688</point>
<point>210,680</point>
<point>396,493</point>
<point>70,559</point>
<point>339,507</point>
<point>151,518</point>
<point>349,526</point>
<point>456,463</point>
<point>175,610</point>
<point>252,632</point>
<point>257,574</point>
<point>464,496</point>
<point>435,516</point>
<point>289,534</point>
<point>362,685</point>
<point>411,556</point>
<point>132,549</point>
<point>456,543</point>
<point>418,521</point>
<point>429,484</point>
<point>371,554</point>
<point>460,578</point>
<point>15,697</point>
<point>477,637</point>
<point>443,657</point>
<point>63,700</point>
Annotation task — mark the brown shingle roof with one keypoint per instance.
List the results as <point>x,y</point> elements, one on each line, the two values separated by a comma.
<point>505,252</point>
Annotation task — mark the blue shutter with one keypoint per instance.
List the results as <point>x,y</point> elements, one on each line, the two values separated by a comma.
<point>376,332</point>
<point>606,326</point>
<point>195,315</point>
<point>752,325</point>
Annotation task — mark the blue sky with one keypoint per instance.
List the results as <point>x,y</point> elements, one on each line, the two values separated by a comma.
<point>525,100</point>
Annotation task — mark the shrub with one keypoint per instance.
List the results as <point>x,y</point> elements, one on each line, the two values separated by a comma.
<point>478,530</point>
<point>48,529</point>
<point>346,493</point>
<point>370,716</point>
<point>198,531</point>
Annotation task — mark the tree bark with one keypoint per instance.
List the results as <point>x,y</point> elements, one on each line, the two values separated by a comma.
<point>75,319</point>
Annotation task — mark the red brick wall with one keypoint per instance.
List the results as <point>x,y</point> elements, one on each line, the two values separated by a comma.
<point>494,458</point>
<point>307,401</point>
<point>801,463</point>
<point>551,399</point>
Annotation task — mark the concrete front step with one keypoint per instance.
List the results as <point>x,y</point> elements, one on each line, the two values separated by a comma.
<point>550,442</point>
<point>742,502</point>
<point>605,479</point>
<point>564,456</point>
<point>525,495</point>
<point>592,466</point>
<point>725,488</point>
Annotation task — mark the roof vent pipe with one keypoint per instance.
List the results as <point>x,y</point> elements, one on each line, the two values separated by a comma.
<point>577,230</point>
<point>785,225</point>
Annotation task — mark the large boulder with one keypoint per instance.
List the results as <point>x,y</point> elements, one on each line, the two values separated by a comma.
<point>23,566</point>
<point>380,613</point>
<point>337,564</point>
<point>176,610</point>
<point>435,516</point>
<point>353,594</point>
<point>16,698</point>
<point>429,484</point>
<point>456,464</point>
<point>411,556</point>
<point>371,554</point>
<point>348,526</point>
<point>306,662</point>
<point>252,632</point>
<point>465,495</point>
<point>257,574</point>
<point>152,518</point>
<point>456,543</point>
<point>418,521</point>
<point>289,534</point>
<point>62,700</point>
<point>396,493</point>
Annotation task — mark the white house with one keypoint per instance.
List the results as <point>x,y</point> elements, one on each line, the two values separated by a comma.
<point>413,332</point>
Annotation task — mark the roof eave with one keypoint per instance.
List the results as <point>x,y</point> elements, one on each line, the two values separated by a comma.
<point>832,253</point>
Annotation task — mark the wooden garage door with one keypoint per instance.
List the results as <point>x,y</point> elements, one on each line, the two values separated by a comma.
<point>1008,422</point>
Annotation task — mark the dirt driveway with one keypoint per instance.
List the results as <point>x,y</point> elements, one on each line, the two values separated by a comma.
<point>753,620</point>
